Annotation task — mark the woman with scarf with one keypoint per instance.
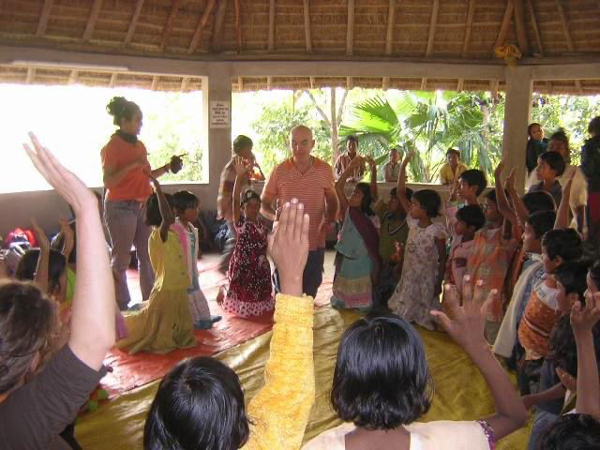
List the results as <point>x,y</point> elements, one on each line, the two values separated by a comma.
<point>126,176</point>
<point>357,262</point>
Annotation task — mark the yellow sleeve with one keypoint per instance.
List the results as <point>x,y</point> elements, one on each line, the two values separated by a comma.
<point>280,410</point>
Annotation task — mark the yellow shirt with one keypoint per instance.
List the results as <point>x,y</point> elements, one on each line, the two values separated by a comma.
<point>280,410</point>
<point>447,176</point>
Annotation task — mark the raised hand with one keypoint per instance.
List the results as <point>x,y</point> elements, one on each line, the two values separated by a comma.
<point>66,184</point>
<point>409,156</point>
<point>356,161</point>
<point>510,181</point>
<point>176,164</point>
<point>288,246</point>
<point>498,171</point>
<point>68,237</point>
<point>240,166</point>
<point>40,236</point>
<point>583,319</point>
<point>371,161</point>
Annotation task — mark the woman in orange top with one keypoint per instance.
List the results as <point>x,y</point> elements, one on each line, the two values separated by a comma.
<point>126,177</point>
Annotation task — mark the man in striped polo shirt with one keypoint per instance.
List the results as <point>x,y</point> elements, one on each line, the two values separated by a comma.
<point>310,180</point>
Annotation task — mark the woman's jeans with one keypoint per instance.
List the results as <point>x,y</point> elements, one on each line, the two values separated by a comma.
<point>126,225</point>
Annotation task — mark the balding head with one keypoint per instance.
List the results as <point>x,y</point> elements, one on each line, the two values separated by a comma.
<point>301,143</point>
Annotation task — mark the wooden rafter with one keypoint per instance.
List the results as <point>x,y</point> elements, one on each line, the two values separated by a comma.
<point>271,44</point>
<point>350,29</point>
<point>238,25</point>
<point>423,84</point>
<point>30,75</point>
<point>536,30</point>
<point>217,37</point>
<point>389,37</point>
<point>113,79</point>
<point>240,84</point>
<point>494,86</point>
<point>73,76</point>
<point>520,26</point>
<point>468,27</point>
<point>201,24</point>
<point>307,36</point>
<point>505,27</point>
<point>385,83</point>
<point>269,83</point>
<point>169,25</point>
<point>155,80</point>
<point>432,26</point>
<point>43,23</point>
<point>184,83</point>
<point>94,13</point>
<point>134,20</point>
<point>349,83</point>
<point>311,82</point>
<point>567,33</point>
<point>460,85</point>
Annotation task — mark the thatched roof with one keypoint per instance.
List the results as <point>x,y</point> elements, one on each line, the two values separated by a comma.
<point>371,30</point>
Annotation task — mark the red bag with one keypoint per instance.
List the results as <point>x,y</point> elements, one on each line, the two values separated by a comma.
<point>20,235</point>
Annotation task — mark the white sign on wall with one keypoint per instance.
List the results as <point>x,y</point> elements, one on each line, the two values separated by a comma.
<point>220,114</point>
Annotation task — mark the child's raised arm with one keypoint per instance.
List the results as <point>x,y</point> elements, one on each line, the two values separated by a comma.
<point>340,184</point>
<point>168,218</point>
<point>241,174</point>
<point>373,183</point>
<point>93,317</point>
<point>41,271</point>
<point>518,205</point>
<point>562,215</point>
<point>401,189</point>
<point>503,205</point>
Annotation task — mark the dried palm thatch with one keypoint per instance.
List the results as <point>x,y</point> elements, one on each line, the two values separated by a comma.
<point>371,30</point>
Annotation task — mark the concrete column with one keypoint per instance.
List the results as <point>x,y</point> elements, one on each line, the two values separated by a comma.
<point>216,87</point>
<point>519,85</point>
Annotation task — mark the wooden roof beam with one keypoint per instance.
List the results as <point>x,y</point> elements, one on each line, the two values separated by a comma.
<point>30,75</point>
<point>432,26</point>
<point>217,37</point>
<point>271,45</point>
<point>389,37</point>
<point>94,13</point>
<point>73,76</point>
<point>567,33</point>
<point>269,83</point>
<point>423,84</point>
<point>113,79</point>
<point>468,27</point>
<point>522,39</point>
<point>184,83</point>
<point>169,25</point>
<point>385,83</point>
<point>240,84</point>
<point>134,20</point>
<point>154,84</point>
<point>536,30</point>
<point>505,27</point>
<point>238,25</point>
<point>201,24</point>
<point>350,28</point>
<point>307,36</point>
<point>349,83</point>
<point>43,23</point>
<point>311,82</point>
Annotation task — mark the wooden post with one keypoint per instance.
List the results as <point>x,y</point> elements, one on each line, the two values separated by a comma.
<point>271,25</point>
<point>307,36</point>
<point>389,37</point>
<point>350,29</point>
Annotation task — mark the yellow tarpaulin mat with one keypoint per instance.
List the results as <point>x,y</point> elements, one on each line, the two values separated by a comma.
<point>460,391</point>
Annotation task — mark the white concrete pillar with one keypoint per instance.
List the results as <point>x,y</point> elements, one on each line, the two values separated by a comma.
<point>519,85</point>
<point>216,87</point>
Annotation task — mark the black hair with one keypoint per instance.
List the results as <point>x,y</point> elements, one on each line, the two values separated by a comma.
<point>241,142</point>
<point>541,222</point>
<point>530,126</point>
<point>560,136</point>
<point>394,149</point>
<point>183,200</point>
<point>453,151</point>
<point>594,272</point>
<point>472,216</point>
<point>491,195</point>
<point>121,108</point>
<point>153,216</point>
<point>365,204</point>
<point>352,138</point>
<point>538,201</point>
<point>381,378</point>
<point>248,195</point>
<point>563,347</point>
<point>555,161</point>
<point>474,177</point>
<point>199,405</point>
<point>565,243</point>
<point>573,276</point>
<point>429,200</point>
<point>408,193</point>
<point>571,432</point>
<point>594,126</point>
<point>57,266</point>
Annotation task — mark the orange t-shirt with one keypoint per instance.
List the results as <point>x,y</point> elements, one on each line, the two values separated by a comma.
<point>117,154</point>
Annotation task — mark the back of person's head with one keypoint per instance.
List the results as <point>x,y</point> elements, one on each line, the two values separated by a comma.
<point>565,243</point>
<point>595,273</point>
<point>429,200</point>
<point>573,276</point>
<point>474,177</point>
<point>367,199</point>
<point>538,201</point>
<point>381,378</point>
<point>571,432</point>
<point>240,143</point>
<point>57,266</point>
<point>248,195</point>
<point>408,193</point>
<point>153,216</point>
<point>121,108</point>
<point>472,216</point>
<point>542,222</point>
<point>199,405</point>
<point>594,126</point>
<point>26,322</point>
<point>183,200</point>
<point>561,137</point>
<point>555,161</point>
<point>491,196</point>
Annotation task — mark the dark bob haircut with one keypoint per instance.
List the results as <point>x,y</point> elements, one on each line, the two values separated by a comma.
<point>183,200</point>
<point>472,216</point>
<point>563,348</point>
<point>571,432</point>
<point>241,142</point>
<point>555,161</point>
<point>153,217</point>
<point>453,151</point>
<point>430,201</point>
<point>248,195</point>
<point>352,138</point>
<point>365,204</point>
<point>198,405</point>
<point>57,266</point>
<point>573,276</point>
<point>408,193</point>
<point>565,243</point>
<point>381,378</point>
<point>542,222</point>
<point>121,108</point>
<point>538,201</point>
<point>474,177</point>
<point>594,126</point>
<point>530,126</point>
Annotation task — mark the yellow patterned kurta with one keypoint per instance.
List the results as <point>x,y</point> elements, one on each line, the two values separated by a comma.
<point>281,408</point>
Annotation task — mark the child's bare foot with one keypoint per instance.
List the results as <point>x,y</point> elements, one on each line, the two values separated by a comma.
<point>221,295</point>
